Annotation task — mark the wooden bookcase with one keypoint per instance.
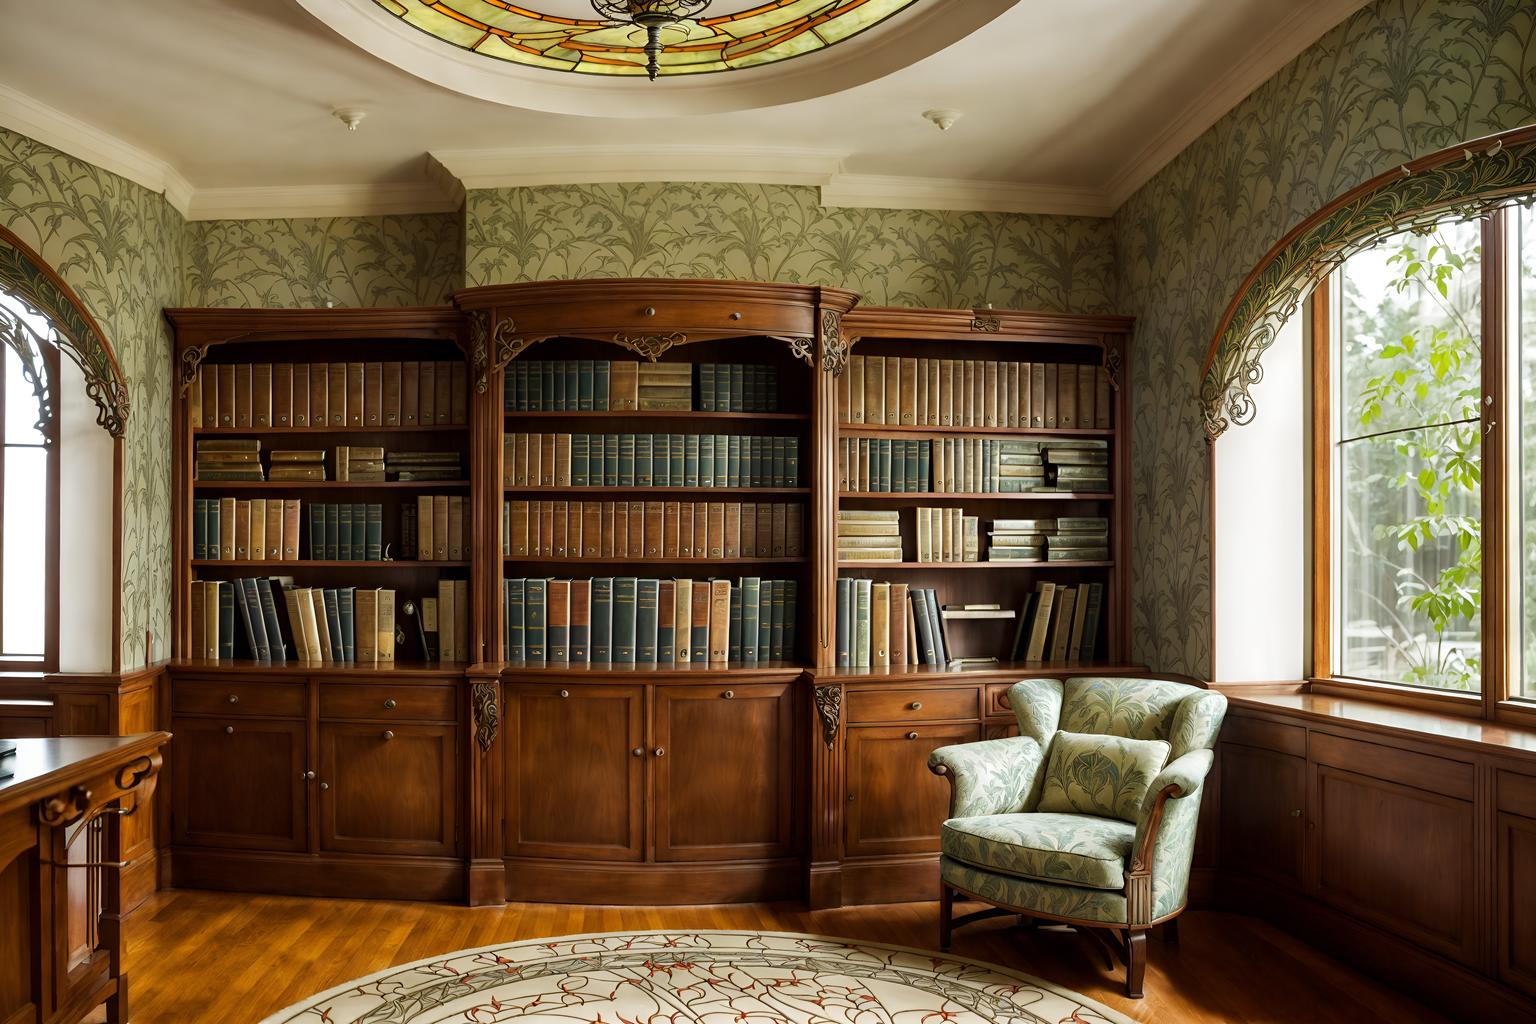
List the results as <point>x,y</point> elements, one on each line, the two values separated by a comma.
<point>703,782</point>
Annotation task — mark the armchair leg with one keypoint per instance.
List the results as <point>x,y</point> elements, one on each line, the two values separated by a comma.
<point>1135,961</point>
<point>946,915</point>
<point>1168,932</point>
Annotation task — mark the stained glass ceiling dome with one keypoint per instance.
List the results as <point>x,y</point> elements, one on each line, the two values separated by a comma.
<point>565,35</point>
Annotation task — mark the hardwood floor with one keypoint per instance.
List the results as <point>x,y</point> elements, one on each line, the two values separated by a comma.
<point>223,958</point>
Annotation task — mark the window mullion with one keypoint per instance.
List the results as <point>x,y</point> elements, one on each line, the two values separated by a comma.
<point>1498,413</point>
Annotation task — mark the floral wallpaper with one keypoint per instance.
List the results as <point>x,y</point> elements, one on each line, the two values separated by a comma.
<point>783,233</point>
<point>120,247</point>
<point>396,260</point>
<point>1399,79</point>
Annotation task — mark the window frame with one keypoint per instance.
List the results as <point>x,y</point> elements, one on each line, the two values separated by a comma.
<point>1499,340</point>
<point>50,660</point>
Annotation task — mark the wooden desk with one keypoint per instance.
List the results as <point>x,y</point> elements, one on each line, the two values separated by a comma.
<point>59,839</point>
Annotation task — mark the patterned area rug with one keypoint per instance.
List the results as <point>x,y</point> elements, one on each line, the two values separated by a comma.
<point>705,977</point>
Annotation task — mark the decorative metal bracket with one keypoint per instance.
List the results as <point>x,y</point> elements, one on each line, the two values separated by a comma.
<point>508,345</point>
<point>1112,365</point>
<point>800,346</point>
<point>485,706</point>
<point>191,364</point>
<point>651,346</point>
<point>834,347</point>
<point>986,324</point>
<point>829,705</point>
<point>480,349</point>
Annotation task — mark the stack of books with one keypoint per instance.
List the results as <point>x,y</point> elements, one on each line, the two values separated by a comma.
<point>1078,465</point>
<point>665,387</point>
<point>1059,623</point>
<point>359,463</point>
<point>1018,540</point>
<point>973,393</point>
<point>282,396</point>
<point>947,535</point>
<point>975,465</point>
<point>424,465</point>
<point>649,460</point>
<point>601,385</point>
<point>433,529</point>
<point>297,465</point>
<point>228,459</point>
<point>884,625</point>
<point>624,620</point>
<point>261,529</point>
<point>270,620</point>
<point>883,464</point>
<point>652,529</point>
<point>868,535</point>
<point>346,532</point>
<point>1078,539</point>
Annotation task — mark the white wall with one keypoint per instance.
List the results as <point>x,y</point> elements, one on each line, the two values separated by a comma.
<point>1262,510</point>
<point>85,530</point>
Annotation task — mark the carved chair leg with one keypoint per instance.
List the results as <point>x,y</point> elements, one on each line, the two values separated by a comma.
<point>1168,932</point>
<point>946,915</point>
<point>1135,961</point>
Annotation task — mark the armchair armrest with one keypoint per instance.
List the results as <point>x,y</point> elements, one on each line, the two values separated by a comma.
<point>990,776</point>
<point>1165,838</point>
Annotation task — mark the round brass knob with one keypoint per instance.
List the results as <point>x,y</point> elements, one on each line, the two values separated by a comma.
<point>638,751</point>
<point>728,694</point>
<point>389,705</point>
<point>911,735</point>
<point>1296,813</point>
<point>325,785</point>
<point>234,698</point>
<point>309,775</point>
<point>650,311</point>
<point>565,693</point>
<point>389,734</point>
<point>229,730</point>
<point>735,316</point>
<point>660,752</point>
<point>916,705</point>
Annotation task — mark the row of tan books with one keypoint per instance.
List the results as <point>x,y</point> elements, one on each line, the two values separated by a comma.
<point>268,619</point>
<point>228,459</point>
<point>649,460</point>
<point>1063,539</point>
<point>603,385</point>
<point>433,530</point>
<point>868,535</point>
<point>947,535</point>
<point>260,530</point>
<point>1060,622</point>
<point>909,391</point>
<point>279,396</point>
<point>882,624</point>
<point>652,529</point>
<point>625,620</point>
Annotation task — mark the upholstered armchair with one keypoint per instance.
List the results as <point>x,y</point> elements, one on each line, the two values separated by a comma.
<point>1088,816</point>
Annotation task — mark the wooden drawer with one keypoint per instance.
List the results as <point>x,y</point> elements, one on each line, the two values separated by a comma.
<point>1517,794</point>
<point>237,697</point>
<point>404,700</point>
<point>914,705</point>
<point>1257,732</point>
<point>1422,771</point>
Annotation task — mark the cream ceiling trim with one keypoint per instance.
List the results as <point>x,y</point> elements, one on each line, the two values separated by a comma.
<point>901,193</point>
<point>321,201</point>
<point>586,165</point>
<point>1307,23</point>
<point>52,127</point>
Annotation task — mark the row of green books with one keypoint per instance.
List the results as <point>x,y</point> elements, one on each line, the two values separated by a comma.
<point>882,624</point>
<point>649,460</point>
<point>603,385</point>
<point>625,620</point>
<point>884,465</point>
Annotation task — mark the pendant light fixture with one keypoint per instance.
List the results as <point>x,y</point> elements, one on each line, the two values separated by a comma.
<point>653,16</point>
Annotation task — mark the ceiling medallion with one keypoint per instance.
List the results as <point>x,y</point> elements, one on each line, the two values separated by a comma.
<point>643,37</point>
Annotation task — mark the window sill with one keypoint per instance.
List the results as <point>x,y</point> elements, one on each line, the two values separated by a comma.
<point>1449,702</point>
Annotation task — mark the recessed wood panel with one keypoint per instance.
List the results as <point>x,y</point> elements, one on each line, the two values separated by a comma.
<point>238,783</point>
<point>574,777</point>
<point>725,777</point>
<point>1399,856</point>
<point>1515,897</point>
<point>1259,732</point>
<point>407,700</point>
<point>895,804</point>
<point>1262,812</point>
<point>237,697</point>
<point>913,705</point>
<point>389,788</point>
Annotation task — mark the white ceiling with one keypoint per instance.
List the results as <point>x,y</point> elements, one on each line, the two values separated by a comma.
<point>226,104</point>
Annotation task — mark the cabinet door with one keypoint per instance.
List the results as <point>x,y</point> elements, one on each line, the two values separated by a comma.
<point>1515,898</point>
<point>238,783</point>
<point>388,788</point>
<point>1262,812</point>
<point>724,764</point>
<point>895,804</point>
<point>576,757</point>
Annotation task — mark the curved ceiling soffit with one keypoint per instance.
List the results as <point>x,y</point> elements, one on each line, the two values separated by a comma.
<point>1463,182</point>
<point>25,275</point>
<point>914,31</point>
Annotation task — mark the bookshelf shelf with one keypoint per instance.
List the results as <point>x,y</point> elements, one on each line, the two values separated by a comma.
<point>919,497</point>
<point>908,430</point>
<point>328,485</point>
<point>1009,670</point>
<point>316,563</point>
<point>435,428</point>
<point>661,414</point>
<point>974,565</point>
<point>512,489</point>
<point>541,560</point>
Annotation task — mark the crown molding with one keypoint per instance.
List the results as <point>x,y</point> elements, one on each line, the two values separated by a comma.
<point>367,200</point>
<point>901,193</point>
<point>591,165</point>
<point>52,127</point>
<point>1306,24</point>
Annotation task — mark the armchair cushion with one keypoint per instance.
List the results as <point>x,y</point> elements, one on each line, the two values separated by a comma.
<point>1105,776</point>
<point>1069,849</point>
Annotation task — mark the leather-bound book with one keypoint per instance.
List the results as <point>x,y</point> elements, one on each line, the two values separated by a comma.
<point>373,394</point>
<point>282,395</point>
<point>580,645</point>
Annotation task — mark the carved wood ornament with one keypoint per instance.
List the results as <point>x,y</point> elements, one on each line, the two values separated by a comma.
<point>485,706</point>
<point>829,705</point>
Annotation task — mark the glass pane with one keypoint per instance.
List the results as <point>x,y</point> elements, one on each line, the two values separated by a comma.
<point>20,404</point>
<point>25,551</point>
<point>1409,524</point>
<point>1410,322</point>
<point>1526,491</point>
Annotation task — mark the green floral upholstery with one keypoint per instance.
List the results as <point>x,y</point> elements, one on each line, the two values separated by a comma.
<point>1004,845</point>
<point>1072,848</point>
<point>1106,776</point>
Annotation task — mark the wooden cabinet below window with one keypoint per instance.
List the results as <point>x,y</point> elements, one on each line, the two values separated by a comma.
<point>1263,812</point>
<point>238,783</point>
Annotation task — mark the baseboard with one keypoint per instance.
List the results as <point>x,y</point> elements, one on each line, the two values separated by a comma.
<point>824,886</point>
<point>905,879</point>
<point>611,884</point>
<point>330,875</point>
<point>1450,987</point>
<point>487,883</point>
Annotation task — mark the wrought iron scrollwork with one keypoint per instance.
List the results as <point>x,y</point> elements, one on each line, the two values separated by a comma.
<point>485,705</point>
<point>829,705</point>
<point>800,346</point>
<point>20,337</point>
